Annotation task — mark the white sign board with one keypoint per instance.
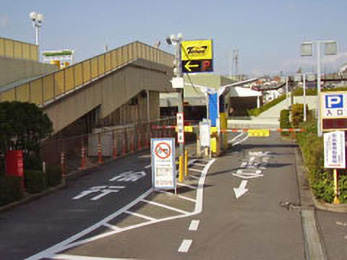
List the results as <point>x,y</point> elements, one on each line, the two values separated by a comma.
<point>334,105</point>
<point>180,128</point>
<point>204,127</point>
<point>334,150</point>
<point>163,163</point>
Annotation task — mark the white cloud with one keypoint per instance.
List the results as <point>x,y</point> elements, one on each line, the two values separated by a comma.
<point>4,21</point>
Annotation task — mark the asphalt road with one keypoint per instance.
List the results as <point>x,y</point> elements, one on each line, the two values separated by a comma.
<point>256,225</point>
<point>37,225</point>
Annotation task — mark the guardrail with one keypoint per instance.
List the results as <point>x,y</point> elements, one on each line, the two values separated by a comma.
<point>18,50</point>
<point>54,85</point>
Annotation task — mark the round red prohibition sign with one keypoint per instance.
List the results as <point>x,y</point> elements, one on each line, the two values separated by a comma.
<point>162,150</point>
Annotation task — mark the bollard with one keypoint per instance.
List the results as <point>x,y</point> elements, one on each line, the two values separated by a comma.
<point>62,164</point>
<point>99,149</point>
<point>83,157</point>
<point>186,163</point>
<point>139,141</point>
<point>132,143</point>
<point>180,176</point>
<point>114,153</point>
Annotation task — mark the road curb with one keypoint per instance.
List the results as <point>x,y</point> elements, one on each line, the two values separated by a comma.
<point>314,245</point>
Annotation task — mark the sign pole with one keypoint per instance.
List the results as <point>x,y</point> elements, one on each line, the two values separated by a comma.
<point>336,188</point>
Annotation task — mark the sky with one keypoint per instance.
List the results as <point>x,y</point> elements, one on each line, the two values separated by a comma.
<point>267,33</point>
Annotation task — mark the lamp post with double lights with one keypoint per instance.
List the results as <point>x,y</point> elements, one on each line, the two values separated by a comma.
<point>37,20</point>
<point>330,48</point>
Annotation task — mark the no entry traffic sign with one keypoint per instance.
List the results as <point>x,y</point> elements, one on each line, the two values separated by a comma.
<point>162,150</point>
<point>163,163</point>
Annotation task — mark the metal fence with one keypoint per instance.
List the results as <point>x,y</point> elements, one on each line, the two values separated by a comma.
<point>54,85</point>
<point>18,50</point>
<point>85,151</point>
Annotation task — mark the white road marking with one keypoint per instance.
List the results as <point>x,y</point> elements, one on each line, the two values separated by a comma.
<point>77,257</point>
<point>186,198</point>
<point>241,141</point>
<point>341,223</point>
<point>194,225</point>
<point>72,241</point>
<point>184,248</point>
<point>194,170</point>
<point>66,243</point>
<point>148,166</point>
<point>165,206</point>
<point>194,177</point>
<point>232,140</point>
<point>241,190</point>
<point>139,215</point>
<point>186,185</point>
<point>200,164</point>
<point>112,227</point>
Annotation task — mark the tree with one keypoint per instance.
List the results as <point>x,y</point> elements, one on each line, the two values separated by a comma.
<point>22,127</point>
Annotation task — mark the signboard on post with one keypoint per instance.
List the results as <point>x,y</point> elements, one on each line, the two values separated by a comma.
<point>334,111</point>
<point>163,163</point>
<point>197,56</point>
<point>180,128</point>
<point>204,127</point>
<point>334,150</point>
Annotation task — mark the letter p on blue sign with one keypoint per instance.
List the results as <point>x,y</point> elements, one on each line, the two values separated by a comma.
<point>334,101</point>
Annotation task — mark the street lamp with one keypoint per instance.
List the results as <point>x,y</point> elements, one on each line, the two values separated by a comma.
<point>306,50</point>
<point>37,20</point>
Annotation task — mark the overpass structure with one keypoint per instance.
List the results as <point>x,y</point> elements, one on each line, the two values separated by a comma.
<point>116,87</point>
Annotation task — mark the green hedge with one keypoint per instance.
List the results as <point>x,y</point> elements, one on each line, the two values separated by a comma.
<point>10,189</point>
<point>321,179</point>
<point>284,121</point>
<point>35,181</point>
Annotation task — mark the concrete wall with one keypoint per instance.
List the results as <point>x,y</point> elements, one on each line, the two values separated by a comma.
<point>12,70</point>
<point>112,92</point>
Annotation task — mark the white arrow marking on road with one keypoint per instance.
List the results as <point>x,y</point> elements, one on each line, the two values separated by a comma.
<point>241,190</point>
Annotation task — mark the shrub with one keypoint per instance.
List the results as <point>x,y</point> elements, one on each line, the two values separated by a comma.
<point>10,189</point>
<point>297,114</point>
<point>284,121</point>
<point>34,181</point>
<point>53,176</point>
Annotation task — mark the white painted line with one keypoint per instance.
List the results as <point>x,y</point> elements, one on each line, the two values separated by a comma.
<point>232,140</point>
<point>186,198</point>
<point>244,139</point>
<point>200,164</point>
<point>194,170</point>
<point>139,215</point>
<point>165,206</point>
<point>194,225</point>
<point>178,196</point>
<point>184,248</point>
<point>77,257</point>
<point>341,224</point>
<point>66,243</point>
<point>194,177</point>
<point>112,227</point>
<point>148,166</point>
<point>69,243</point>
<point>186,185</point>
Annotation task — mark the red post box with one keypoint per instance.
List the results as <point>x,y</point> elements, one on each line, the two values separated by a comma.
<point>14,163</point>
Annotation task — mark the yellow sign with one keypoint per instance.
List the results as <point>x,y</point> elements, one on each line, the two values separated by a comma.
<point>259,132</point>
<point>197,50</point>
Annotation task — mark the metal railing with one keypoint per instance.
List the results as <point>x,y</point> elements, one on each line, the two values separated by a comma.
<point>54,85</point>
<point>18,50</point>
